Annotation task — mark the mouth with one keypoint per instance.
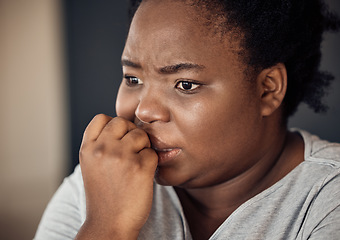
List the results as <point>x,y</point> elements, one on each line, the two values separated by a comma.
<point>166,155</point>
<point>165,152</point>
<point>162,150</point>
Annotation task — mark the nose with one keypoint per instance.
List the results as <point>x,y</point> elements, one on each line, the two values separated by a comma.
<point>152,108</point>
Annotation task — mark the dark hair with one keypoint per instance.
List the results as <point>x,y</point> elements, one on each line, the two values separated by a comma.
<point>280,31</point>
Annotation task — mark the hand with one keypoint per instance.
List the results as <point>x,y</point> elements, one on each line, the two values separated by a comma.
<point>118,168</point>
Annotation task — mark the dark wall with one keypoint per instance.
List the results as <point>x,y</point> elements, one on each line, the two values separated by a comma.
<point>95,36</point>
<point>96,33</point>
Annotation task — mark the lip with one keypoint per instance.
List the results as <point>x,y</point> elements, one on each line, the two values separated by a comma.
<point>164,151</point>
<point>167,155</point>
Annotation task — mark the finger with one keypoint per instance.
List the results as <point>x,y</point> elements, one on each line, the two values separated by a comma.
<point>95,127</point>
<point>136,140</point>
<point>149,159</point>
<point>116,129</point>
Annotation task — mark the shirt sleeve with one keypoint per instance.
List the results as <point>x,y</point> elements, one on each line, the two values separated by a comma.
<point>65,213</point>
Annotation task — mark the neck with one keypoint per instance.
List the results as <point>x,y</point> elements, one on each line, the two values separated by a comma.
<point>282,155</point>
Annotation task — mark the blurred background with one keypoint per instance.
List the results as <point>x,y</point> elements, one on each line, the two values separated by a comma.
<point>59,66</point>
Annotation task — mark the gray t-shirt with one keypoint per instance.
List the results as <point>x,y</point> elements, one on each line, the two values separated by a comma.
<point>305,204</point>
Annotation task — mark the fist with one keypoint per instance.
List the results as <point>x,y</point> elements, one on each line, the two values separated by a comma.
<point>118,167</point>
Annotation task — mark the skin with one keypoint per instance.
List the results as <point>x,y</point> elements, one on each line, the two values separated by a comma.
<point>184,89</point>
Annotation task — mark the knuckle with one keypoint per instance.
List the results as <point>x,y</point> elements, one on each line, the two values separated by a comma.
<point>102,119</point>
<point>119,123</point>
<point>92,153</point>
<point>101,116</point>
<point>99,151</point>
<point>139,133</point>
<point>83,151</point>
<point>137,139</point>
<point>117,154</point>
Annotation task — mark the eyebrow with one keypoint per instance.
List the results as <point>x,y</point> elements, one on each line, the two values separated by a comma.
<point>171,69</point>
<point>129,63</point>
<point>179,67</point>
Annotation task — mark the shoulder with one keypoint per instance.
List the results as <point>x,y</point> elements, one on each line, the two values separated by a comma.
<point>320,151</point>
<point>322,163</point>
<point>323,160</point>
<point>321,166</point>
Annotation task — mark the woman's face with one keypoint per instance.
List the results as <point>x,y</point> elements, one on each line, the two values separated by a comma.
<point>187,89</point>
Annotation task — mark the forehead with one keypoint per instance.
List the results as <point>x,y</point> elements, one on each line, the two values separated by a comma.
<point>164,18</point>
<point>176,29</point>
<point>184,15</point>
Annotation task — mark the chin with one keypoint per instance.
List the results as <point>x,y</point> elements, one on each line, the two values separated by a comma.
<point>167,177</point>
<point>161,179</point>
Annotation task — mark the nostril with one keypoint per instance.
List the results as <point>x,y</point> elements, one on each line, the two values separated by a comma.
<point>139,123</point>
<point>150,110</point>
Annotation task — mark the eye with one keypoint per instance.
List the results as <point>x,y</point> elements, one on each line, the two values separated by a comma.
<point>132,81</point>
<point>187,86</point>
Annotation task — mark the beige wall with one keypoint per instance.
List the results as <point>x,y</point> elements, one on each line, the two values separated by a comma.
<point>33,126</point>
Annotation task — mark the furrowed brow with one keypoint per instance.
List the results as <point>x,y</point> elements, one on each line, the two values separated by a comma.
<point>128,63</point>
<point>180,67</point>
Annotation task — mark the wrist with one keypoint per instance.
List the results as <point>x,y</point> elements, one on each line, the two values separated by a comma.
<point>97,231</point>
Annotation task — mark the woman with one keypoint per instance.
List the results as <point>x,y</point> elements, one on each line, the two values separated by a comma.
<point>200,148</point>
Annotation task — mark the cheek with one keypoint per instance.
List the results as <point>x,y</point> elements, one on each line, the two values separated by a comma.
<point>198,123</point>
<point>126,104</point>
<point>217,127</point>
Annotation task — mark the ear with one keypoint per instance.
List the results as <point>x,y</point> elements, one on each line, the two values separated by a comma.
<point>273,86</point>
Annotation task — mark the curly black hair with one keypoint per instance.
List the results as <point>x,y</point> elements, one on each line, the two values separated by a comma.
<point>279,31</point>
